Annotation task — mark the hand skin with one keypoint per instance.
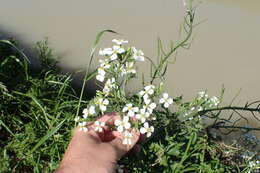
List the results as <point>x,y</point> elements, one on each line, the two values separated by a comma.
<point>93,152</point>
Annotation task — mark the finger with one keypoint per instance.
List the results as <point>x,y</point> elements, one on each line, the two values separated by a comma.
<point>112,117</point>
<point>122,149</point>
<point>106,117</point>
<point>109,119</point>
<point>136,149</point>
<point>106,134</point>
<point>142,139</point>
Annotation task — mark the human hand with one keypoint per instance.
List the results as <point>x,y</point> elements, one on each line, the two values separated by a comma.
<point>96,151</point>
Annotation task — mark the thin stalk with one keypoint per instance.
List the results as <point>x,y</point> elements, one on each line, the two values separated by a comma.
<point>190,24</point>
<point>91,56</point>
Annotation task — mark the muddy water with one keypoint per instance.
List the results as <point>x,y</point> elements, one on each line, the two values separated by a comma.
<point>225,48</point>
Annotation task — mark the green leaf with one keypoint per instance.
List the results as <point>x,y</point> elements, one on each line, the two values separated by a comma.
<point>47,136</point>
<point>174,151</point>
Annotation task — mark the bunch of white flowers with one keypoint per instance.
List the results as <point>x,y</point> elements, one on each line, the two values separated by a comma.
<point>117,66</point>
<point>202,102</point>
<point>209,101</point>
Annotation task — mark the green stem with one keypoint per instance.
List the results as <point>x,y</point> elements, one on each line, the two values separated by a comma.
<point>175,48</point>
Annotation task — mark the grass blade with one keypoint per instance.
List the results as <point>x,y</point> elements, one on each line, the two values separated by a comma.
<point>5,126</point>
<point>91,56</point>
<point>48,135</point>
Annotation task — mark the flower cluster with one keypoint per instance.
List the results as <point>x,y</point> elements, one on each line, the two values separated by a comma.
<point>254,164</point>
<point>208,101</point>
<point>117,66</point>
<point>202,102</point>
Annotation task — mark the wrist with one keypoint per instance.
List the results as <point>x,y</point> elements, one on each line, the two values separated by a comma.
<point>86,166</point>
<point>85,156</point>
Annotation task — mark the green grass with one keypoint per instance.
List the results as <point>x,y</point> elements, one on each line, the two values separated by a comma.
<point>37,112</point>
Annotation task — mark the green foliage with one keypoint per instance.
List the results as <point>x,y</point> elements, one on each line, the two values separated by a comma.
<point>178,146</point>
<point>37,113</point>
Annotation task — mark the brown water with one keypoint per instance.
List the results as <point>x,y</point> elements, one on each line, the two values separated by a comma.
<point>225,48</point>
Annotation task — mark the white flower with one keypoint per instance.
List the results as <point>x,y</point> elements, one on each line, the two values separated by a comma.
<point>82,126</point>
<point>153,118</point>
<point>112,52</point>
<point>101,71</point>
<point>130,109</point>
<point>202,94</point>
<point>129,68</point>
<point>110,84</point>
<point>100,78</point>
<point>200,108</point>
<point>149,106</point>
<point>102,104</point>
<point>106,52</point>
<point>148,90</point>
<point>101,74</point>
<point>214,100</point>
<point>91,110</point>
<point>106,90</point>
<point>76,119</point>
<point>99,126</point>
<point>146,129</point>
<point>124,124</point>
<point>116,50</point>
<point>165,100</point>
<point>104,63</point>
<point>138,55</point>
<point>251,164</point>
<point>120,41</point>
<point>86,112</point>
<point>127,138</point>
<point>143,115</point>
<point>190,118</point>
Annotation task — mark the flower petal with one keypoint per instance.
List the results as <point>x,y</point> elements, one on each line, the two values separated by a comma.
<point>131,113</point>
<point>118,122</point>
<point>113,57</point>
<point>127,125</point>
<point>106,102</point>
<point>152,105</point>
<point>162,100</point>
<point>148,134</point>
<point>100,78</point>
<point>170,100</point>
<point>165,95</point>
<point>121,50</point>
<point>146,125</point>
<point>143,130</point>
<point>92,110</point>
<point>120,129</point>
<point>97,123</point>
<point>166,105</point>
<point>125,119</point>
